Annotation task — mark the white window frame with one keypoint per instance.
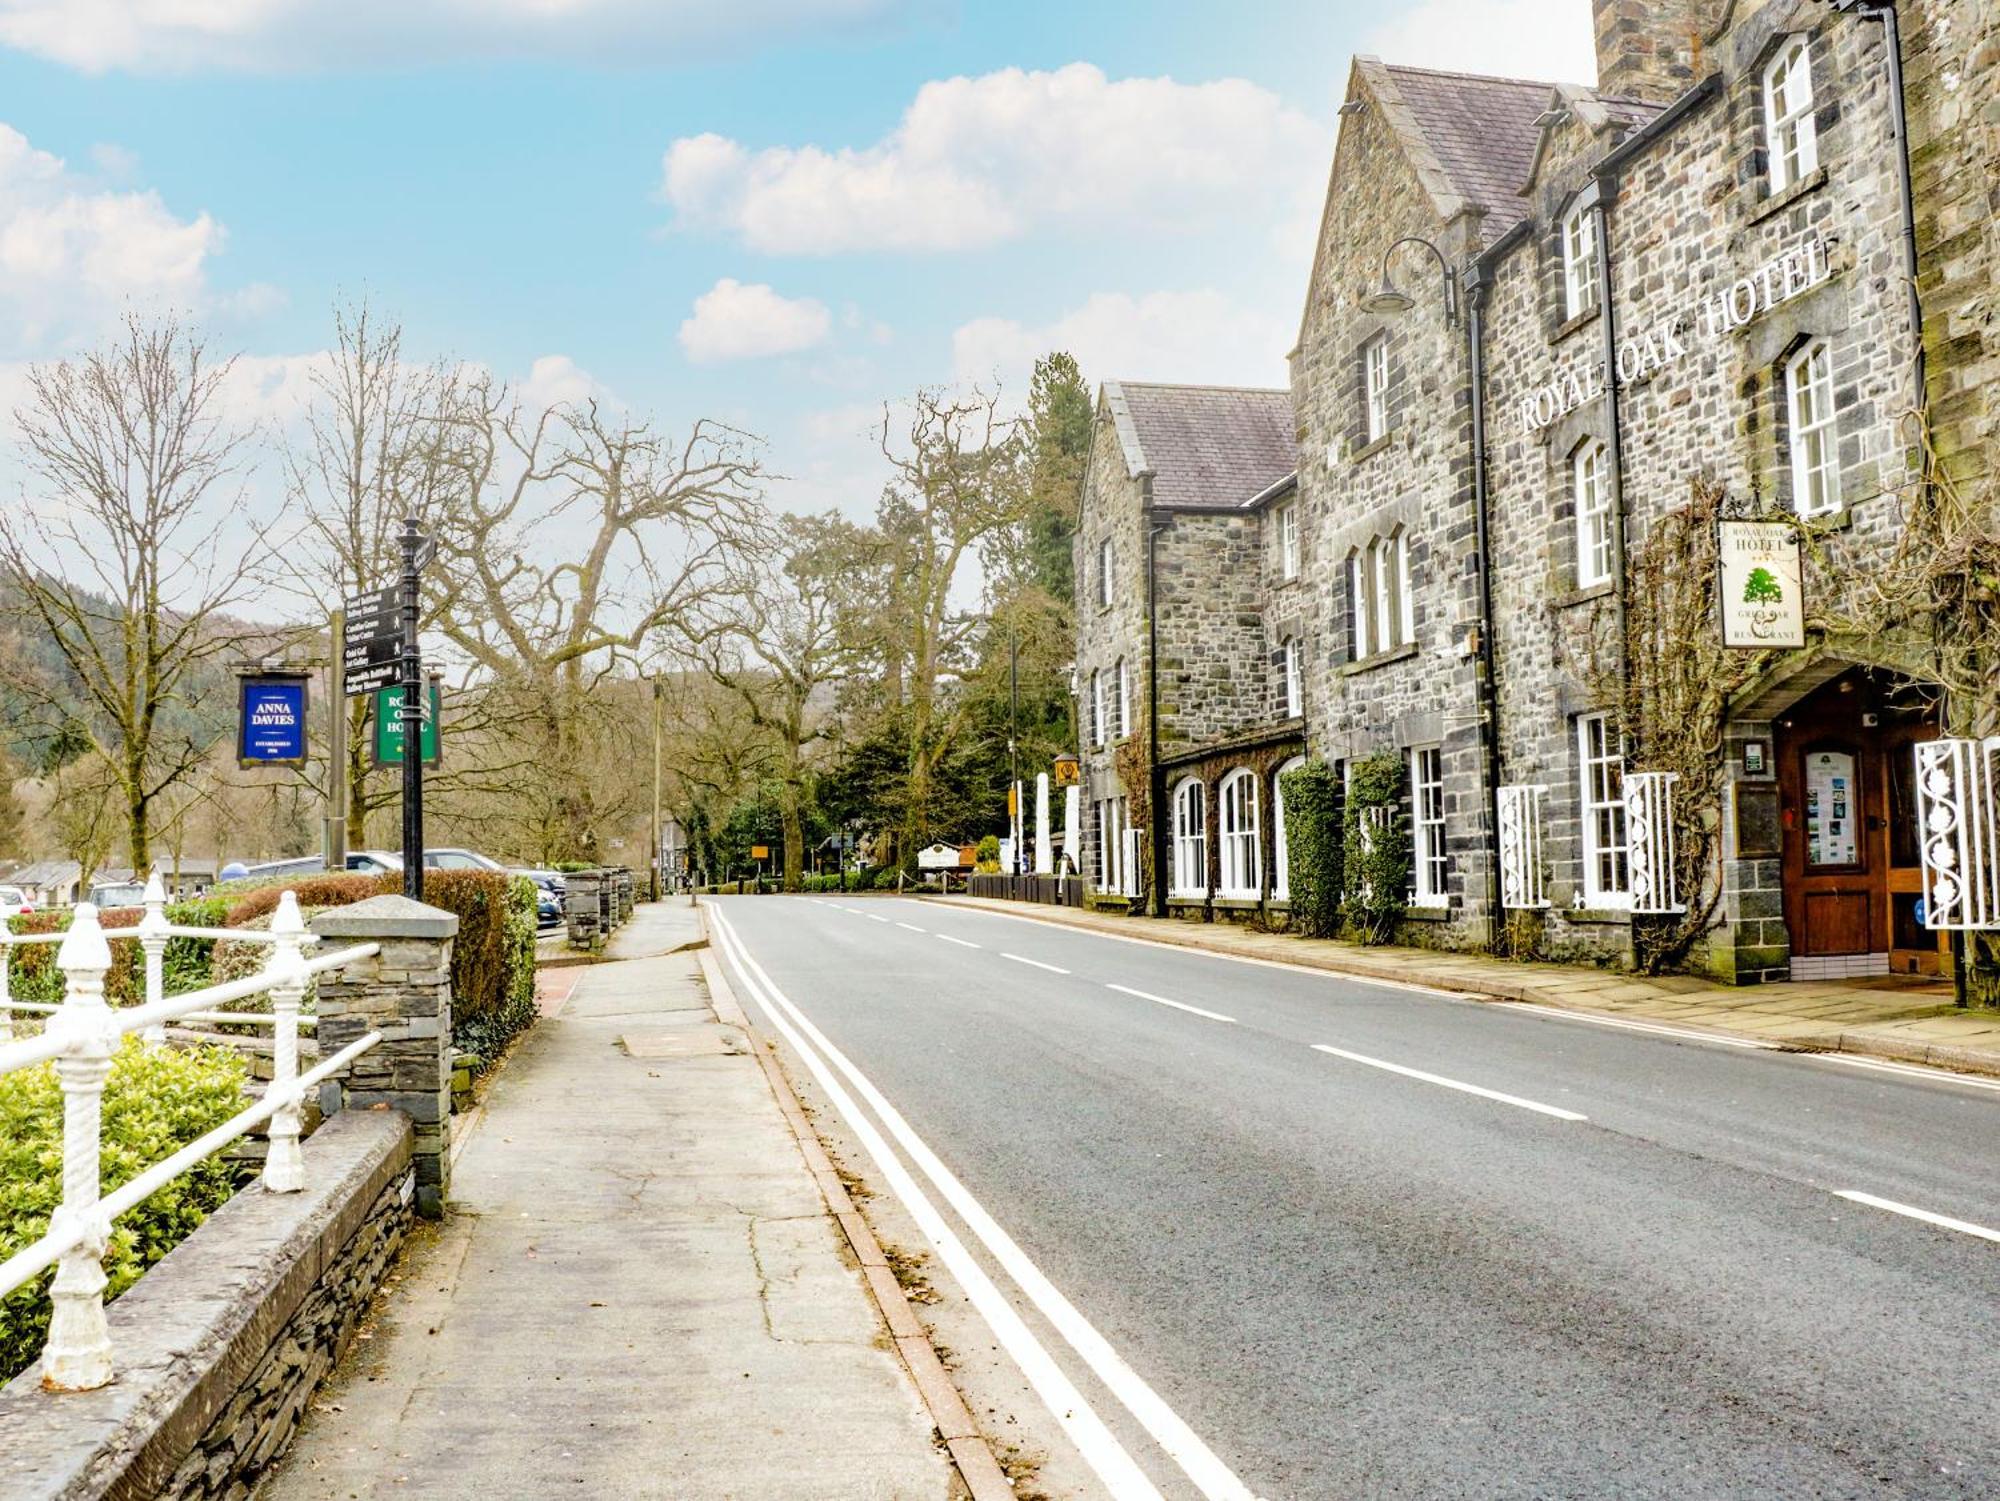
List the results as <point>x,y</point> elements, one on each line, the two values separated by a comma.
<point>1190,870</point>
<point>1295,700</point>
<point>1112,862</point>
<point>1815,430</point>
<point>1429,865</point>
<point>1791,137</point>
<point>1590,484</point>
<point>1122,726</point>
<point>1288,541</point>
<point>1579,256</point>
<point>1406,599</point>
<point>1601,804</point>
<point>1360,591</point>
<point>1375,384</point>
<point>1098,727</point>
<point>1281,848</point>
<point>1104,573</point>
<point>1239,835</point>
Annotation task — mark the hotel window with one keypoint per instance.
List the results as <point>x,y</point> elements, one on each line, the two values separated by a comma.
<point>1104,572</point>
<point>1288,542</point>
<point>1361,643</point>
<point>1601,764</point>
<point>1375,382</point>
<point>1579,245</point>
<point>1294,694</point>
<point>1281,880</point>
<point>1427,805</point>
<point>1242,853</point>
<point>1383,608</point>
<point>1790,137</point>
<point>1591,482</point>
<point>1815,442</point>
<point>1122,726</point>
<point>1191,838</point>
<point>1098,727</point>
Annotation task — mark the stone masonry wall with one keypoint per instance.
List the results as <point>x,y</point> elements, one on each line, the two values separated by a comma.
<point>1416,477</point>
<point>1691,215</point>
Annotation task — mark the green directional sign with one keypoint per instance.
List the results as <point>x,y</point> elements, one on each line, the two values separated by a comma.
<point>388,716</point>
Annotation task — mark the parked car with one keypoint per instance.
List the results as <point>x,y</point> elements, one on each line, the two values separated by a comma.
<point>304,865</point>
<point>458,859</point>
<point>14,902</point>
<point>104,895</point>
<point>373,862</point>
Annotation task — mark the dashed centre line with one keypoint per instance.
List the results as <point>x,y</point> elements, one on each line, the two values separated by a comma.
<point>912,927</point>
<point>1964,1227</point>
<point>1146,995</point>
<point>1464,1088</point>
<point>1054,969</point>
<point>964,943</point>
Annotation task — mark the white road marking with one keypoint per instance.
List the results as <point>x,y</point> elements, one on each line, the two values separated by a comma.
<point>1214,1016</point>
<point>964,943</point>
<point>912,927</point>
<point>1054,969</point>
<point>1417,1073</point>
<point>1626,1024</point>
<point>1214,1479</point>
<point>1910,1071</point>
<point>874,917</point>
<point>1964,1227</point>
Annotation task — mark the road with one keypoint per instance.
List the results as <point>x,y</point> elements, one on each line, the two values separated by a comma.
<point>1290,1235</point>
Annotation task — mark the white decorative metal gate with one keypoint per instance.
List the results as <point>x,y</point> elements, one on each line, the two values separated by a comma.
<point>1958,824</point>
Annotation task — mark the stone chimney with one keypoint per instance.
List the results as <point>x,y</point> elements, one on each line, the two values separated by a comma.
<point>1648,49</point>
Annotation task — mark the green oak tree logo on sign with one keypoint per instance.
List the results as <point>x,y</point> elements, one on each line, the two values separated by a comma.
<point>1761,588</point>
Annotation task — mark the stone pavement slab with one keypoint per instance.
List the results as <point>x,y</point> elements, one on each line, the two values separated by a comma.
<point>1892,1018</point>
<point>639,1291</point>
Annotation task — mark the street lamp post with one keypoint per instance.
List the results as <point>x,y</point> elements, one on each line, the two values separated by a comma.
<point>658,694</point>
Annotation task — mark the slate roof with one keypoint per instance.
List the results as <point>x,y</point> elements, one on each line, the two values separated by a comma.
<point>1207,448</point>
<point>1484,134</point>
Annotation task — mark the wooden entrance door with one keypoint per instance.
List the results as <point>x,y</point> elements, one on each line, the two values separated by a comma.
<point>1851,878</point>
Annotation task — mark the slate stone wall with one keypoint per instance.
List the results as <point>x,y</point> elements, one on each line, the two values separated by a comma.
<point>220,1347</point>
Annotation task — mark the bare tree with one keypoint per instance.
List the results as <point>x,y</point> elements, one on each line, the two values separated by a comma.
<point>960,478</point>
<point>781,644</point>
<point>130,555</point>
<point>574,536</point>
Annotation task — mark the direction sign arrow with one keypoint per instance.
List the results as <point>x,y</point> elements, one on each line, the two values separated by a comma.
<point>427,548</point>
<point>360,680</point>
<point>371,652</point>
<point>361,627</point>
<point>374,601</point>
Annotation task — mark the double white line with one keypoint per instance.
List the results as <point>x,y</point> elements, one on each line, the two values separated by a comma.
<point>1099,1447</point>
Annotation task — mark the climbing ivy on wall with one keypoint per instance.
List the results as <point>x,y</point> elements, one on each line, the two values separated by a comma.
<point>1376,867</point>
<point>1315,848</point>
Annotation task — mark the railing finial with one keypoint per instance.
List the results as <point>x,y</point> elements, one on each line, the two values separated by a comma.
<point>78,1354</point>
<point>284,1164</point>
<point>153,944</point>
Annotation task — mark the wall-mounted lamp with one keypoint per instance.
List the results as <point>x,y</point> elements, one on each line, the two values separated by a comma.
<point>1352,107</point>
<point>1390,299</point>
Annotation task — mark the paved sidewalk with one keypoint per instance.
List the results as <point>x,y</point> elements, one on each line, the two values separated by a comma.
<point>1888,1018</point>
<point>639,1291</point>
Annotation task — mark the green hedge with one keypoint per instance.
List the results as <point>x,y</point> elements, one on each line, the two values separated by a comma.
<point>156,1101</point>
<point>34,976</point>
<point>1377,863</point>
<point>1313,846</point>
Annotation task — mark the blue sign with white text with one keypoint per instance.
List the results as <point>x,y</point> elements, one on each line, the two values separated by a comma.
<point>271,730</point>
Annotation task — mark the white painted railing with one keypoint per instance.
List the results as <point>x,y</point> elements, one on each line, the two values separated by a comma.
<point>1649,833</point>
<point>1523,882</point>
<point>80,1036</point>
<point>1958,831</point>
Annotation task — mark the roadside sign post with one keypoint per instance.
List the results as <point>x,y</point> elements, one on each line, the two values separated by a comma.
<point>271,718</point>
<point>412,711</point>
<point>386,745</point>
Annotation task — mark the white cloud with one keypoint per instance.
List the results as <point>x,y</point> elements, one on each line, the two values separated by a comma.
<point>735,320</point>
<point>977,161</point>
<point>72,254</point>
<point>1551,39</point>
<point>298,35</point>
<point>1199,336</point>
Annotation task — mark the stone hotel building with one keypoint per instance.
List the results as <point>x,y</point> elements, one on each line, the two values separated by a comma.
<point>1585,377</point>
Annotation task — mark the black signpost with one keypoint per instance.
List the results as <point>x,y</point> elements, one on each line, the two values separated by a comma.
<point>371,650</point>
<point>379,650</point>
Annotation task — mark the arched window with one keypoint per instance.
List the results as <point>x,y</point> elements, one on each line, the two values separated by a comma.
<point>1191,838</point>
<point>1591,484</point>
<point>1815,437</point>
<point>1242,849</point>
<point>1579,247</point>
<point>1361,642</point>
<point>1281,880</point>
<point>1790,136</point>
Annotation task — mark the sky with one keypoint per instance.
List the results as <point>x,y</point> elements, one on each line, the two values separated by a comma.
<point>775,213</point>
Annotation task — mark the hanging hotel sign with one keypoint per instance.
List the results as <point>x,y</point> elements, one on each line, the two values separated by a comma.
<point>1761,590</point>
<point>1671,339</point>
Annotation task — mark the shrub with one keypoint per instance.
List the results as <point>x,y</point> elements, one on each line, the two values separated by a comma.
<point>1313,845</point>
<point>318,892</point>
<point>487,1032</point>
<point>185,964</point>
<point>887,877</point>
<point>156,1101</point>
<point>1377,856</point>
<point>989,850</point>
